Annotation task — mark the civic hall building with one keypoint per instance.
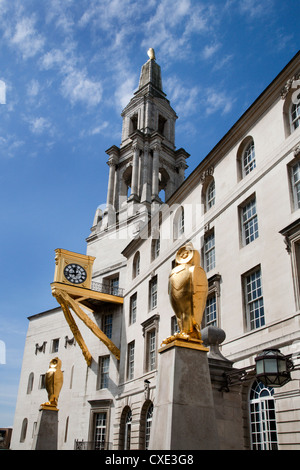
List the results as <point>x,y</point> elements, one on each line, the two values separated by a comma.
<point>240,210</point>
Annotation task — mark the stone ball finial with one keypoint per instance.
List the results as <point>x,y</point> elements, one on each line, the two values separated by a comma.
<point>151,53</point>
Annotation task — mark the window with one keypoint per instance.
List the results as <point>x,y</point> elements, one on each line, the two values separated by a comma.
<point>127,436</point>
<point>210,195</point>
<point>248,159</point>
<point>296,184</point>
<point>262,418</point>
<point>181,223</point>
<point>30,383</point>
<point>130,360</point>
<point>136,265</point>
<point>132,313</point>
<point>100,423</point>
<point>151,350</point>
<point>255,316</point>
<point>155,248</point>
<point>210,313</point>
<point>209,251</point>
<point>42,383</point>
<point>291,235</point>
<point>174,325</point>
<point>107,325</point>
<point>153,292</point>
<point>150,329</point>
<point>148,425</point>
<point>55,345</point>
<point>249,222</point>
<point>103,372</point>
<point>24,430</point>
<point>295,113</point>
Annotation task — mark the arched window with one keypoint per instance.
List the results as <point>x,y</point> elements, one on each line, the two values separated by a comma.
<point>178,223</point>
<point>246,160</point>
<point>148,423</point>
<point>210,195</point>
<point>262,417</point>
<point>136,265</point>
<point>30,383</point>
<point>24,430</point>
<point>295,113</point>
<point>125,429</point>
<point>127,435</point>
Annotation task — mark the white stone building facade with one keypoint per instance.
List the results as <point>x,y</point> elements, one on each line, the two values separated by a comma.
<point>240,209</point>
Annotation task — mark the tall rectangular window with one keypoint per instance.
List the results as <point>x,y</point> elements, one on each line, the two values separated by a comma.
<point>296,184</point>
<point>153,293</point>
<point>103,372</point>
<point>255,315</point>
<point>133,305</point>
<point>209,252</point>
<point>100,423</point>
<point>130,363</point>
<point>210,313</point>
<point>249,222</point>
<point>107,325</point>
<point>151,347</point>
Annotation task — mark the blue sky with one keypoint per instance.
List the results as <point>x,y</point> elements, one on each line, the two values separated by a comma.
<point>67,70</point>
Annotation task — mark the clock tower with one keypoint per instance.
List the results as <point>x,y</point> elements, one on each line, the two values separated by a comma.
<point>146,168</point>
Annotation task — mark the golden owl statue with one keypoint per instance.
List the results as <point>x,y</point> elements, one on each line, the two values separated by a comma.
<point>188,289</point>
<point>53,382</point>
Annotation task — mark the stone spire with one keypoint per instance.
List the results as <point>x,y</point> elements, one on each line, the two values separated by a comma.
<point>151,73</point>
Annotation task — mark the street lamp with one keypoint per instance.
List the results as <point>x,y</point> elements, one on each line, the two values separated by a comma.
<point>273,368</point>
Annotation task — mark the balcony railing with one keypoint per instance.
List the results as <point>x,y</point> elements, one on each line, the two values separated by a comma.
<point>92,445</point>
<point>107,288</point>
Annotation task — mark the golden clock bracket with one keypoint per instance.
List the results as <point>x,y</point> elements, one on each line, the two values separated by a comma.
<point>74,297</point>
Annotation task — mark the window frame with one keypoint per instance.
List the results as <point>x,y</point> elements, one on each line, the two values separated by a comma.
<point>130,360</point>
<point>132,308</point>
<point>209,252</point>
<point>153,284</point>
<point>253,299</point>
<point>103,372</point>
<point>247,234</point>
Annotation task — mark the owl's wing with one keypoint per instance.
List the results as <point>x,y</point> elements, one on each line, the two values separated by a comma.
<point>49,382</point>
<point>200,290</point>
<point>58,381</point>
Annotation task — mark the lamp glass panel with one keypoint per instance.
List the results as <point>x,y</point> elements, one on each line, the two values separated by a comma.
<point>270,366</point>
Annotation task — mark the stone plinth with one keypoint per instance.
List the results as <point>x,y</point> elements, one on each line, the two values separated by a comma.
<point>45,436</point>
<point>184,415</point>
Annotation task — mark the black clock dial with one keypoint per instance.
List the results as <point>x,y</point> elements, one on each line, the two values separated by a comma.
<point>75,273</point>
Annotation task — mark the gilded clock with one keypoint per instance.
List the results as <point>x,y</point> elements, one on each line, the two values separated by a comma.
<point>75,273</point>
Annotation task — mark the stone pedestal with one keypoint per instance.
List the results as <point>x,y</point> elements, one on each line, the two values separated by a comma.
<point>184,415</point>
<point>45,436</point>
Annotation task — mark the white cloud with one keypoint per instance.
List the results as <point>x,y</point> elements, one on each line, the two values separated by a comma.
<point>210,50</point>
<point>217,101</point>
<point>39,125</point>
<point>33,88</point>
<point>25,37</point>
<point>77,87</point>
<point>184,99</point>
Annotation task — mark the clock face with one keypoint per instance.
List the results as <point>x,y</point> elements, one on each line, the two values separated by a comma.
<point>75,273</point>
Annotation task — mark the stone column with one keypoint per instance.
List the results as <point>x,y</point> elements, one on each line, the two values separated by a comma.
<point>155,173</point>
<point>145,181</point>
<point>135,173</point>
<point>111,182</point>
